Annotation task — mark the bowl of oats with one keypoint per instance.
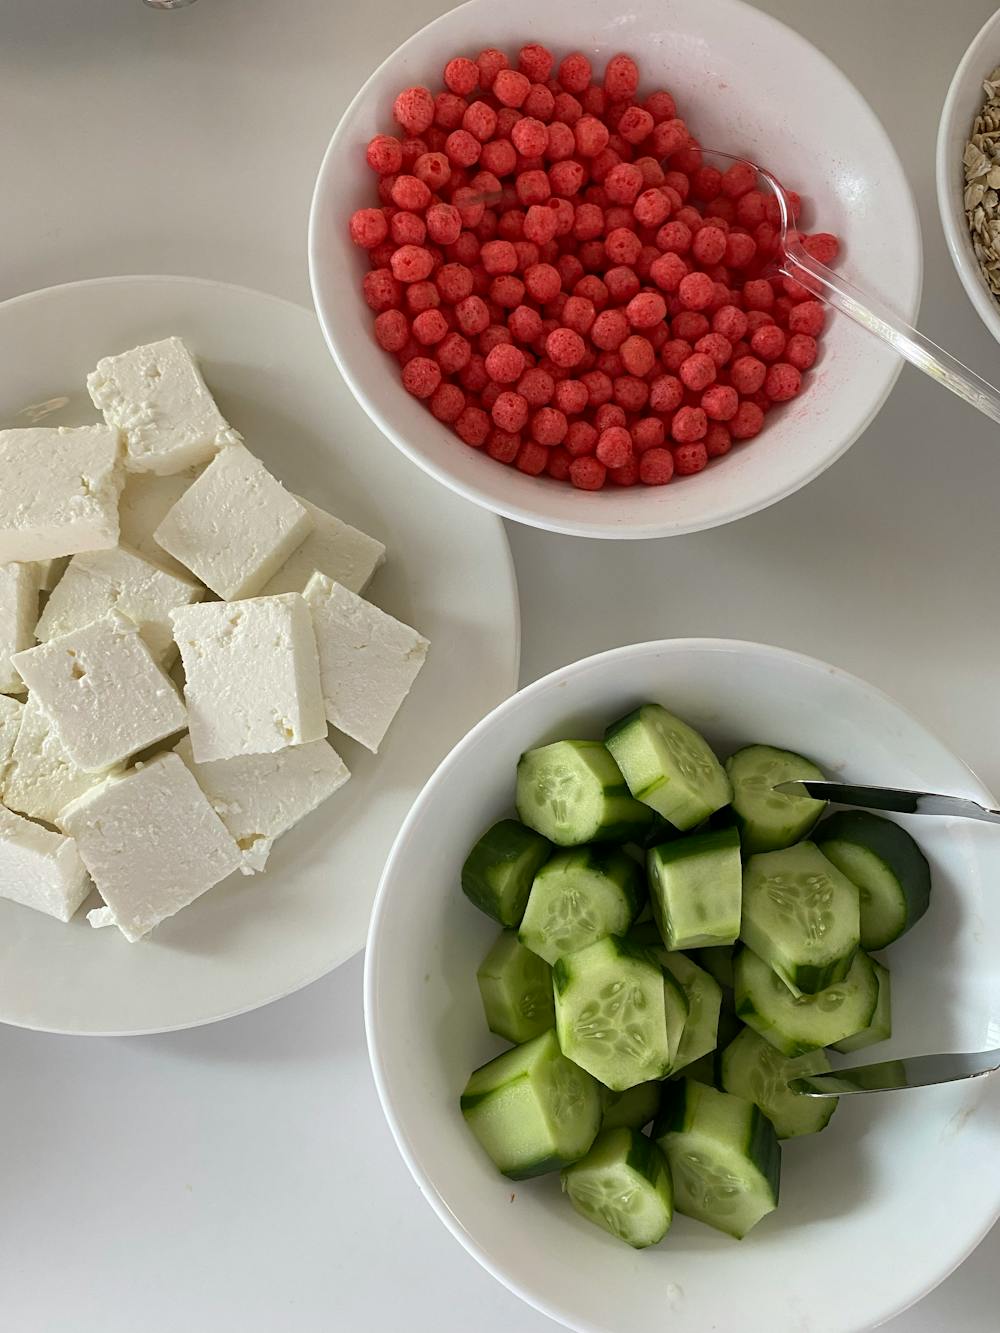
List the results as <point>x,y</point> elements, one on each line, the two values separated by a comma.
<point>968,172</point>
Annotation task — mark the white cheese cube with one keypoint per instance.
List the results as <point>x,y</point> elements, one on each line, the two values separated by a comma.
<point>11,712</point>
<point>143,506</point>
<point>97,581</point>
<point>368,661</point>
<point>156,396</point>
<point>59,490</point>
<point>103,690</point>
<point>260,796</point>
<point>151,841</point>
<point>40,869</point>
<point>344,554</point>
<point>251,676</point>
<point>234,526</point>
<point>41,778</point>
<point>18,614</point>
<point>51,571</point>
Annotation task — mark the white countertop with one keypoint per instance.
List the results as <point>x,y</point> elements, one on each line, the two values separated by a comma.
<point>240,1177</point>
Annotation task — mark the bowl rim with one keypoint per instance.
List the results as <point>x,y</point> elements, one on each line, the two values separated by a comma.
<point>948,185</point>
<point>397,855</point>
<point>607,529</point>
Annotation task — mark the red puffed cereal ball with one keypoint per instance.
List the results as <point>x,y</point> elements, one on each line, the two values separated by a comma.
<point>717,441</point>
<point>648,433</point>
<point>801,351</point>
<point>666,393</point>
<point>498,257</point>
<point>536,387</point>
<point>407,228</point>
<point>549,426</point>
<point>447,403</point>
<point>668,272</point>
<point>646,310</point>
<point>579,314</point>
<point>530,137</point>
<point>674,353</point>
<point>720,402</point>
<point>412,263</point>
<point>609,414</point>
<point>609,330</point>
<point>384,154</point>
<point>414,110</point>
<point>525,323</point>
<point>392,330</point>
<point>709,246</point>
<point>498,156</point>
<point>738,179</point>
<point>624,476</point>
<point>473,376</point>
<point>565,347</point>
<point>543,282</point>
<point>747,375</point>
<point>768,342</point>
<point>740,250</point>
<point>381,289</point>
<point>698,372</point>
<point>689,424</point>
<point>505,363</point>
<point>444,224</point>
<point>540,103</point>
<point>730,321</point>
<point>622,283</point>
<point>510,411</point>
<point>748,421</point>
<point>490,62</point>
<point>533,187</point>
<point>540,224</point>
<point>631,392</point>
<point>624,184</point>
<point>622,246</point>
<point>410,192</point>
<point>472,315</point>
<point>758,294</point>
<point>473,426</point>
<point>690,458</point>
<point>507,291</point>
<point>454,281</point>
<point>637,354</point>
<point>453,353</point>
<point>492,337</point>
<point>461,76</point>
<point>720,349</point>
<point>566,180</point>
<point>614,447</point>
<point>480,120</point>
<point>429,327</point>
<point>782,382</point>
<point>368,227</point>
<point>696,291</point>
<point>807,317</point>
<point>621,77</point>
<point>462,148</point>
<point>575,73</point>
<point>581,439</point>
<point>503,445</point>
<point>557,463</point>
<point>591,136</point>
<point>635,125</point>
<point>651,208</point>
<point>511,87</point>
<point>535,61</point>
<point>587,474</point>
<point>599,387</point>
<point>570,396</point>
<point>822,245</point>
<point>656,467</point>
<point>421,376</point>
<point>532,458</point>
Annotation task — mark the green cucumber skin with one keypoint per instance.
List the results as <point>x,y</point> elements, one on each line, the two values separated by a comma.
<point>502,845</point>
<point>761,1145</point>
<point>880,1028</point>
<point>753,838</point>
<point>632,819</point>
<point>894,847</point>
<point>746,1011</point>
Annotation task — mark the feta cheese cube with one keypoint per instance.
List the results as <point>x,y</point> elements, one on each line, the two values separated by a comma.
<point>59,490</point>
<point>251,673</point>
<point>41,778</point>
<point>260,796</point>
<point>97,581</point>
<point>11,711</point>
<point>143,506</point>
<point>368,661</point>
<point>156,396</point>
<point>39,868</point>
<point>103,690</point>
<point>50,572</point>
<point>235,526</point>
<point>342,553</point>
<point>18,614</point>
<point>151,841</point>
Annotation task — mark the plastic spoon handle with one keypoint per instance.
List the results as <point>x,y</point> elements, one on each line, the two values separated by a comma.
<point>874,315</point>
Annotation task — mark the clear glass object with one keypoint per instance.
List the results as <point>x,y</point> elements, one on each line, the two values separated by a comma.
<point>866,309</point>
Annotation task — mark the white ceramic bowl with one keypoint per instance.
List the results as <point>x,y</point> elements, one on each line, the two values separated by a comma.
<point>876,1210</point>
<point>961,105</point>
<point>719,58</point>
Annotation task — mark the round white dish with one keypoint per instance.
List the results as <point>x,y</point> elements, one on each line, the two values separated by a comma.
<point>877,1209</point>
<point>961,106</point>
<point>448,573</point>
<point>811,126</point>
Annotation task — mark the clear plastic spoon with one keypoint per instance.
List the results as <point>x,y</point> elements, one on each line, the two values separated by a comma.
<point>866,309</point>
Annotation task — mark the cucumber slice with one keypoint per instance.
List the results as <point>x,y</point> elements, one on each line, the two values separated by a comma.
<point>611,1012</point>
<point>623,1185</point>
<point>676,1009</point>
<point>880,1028</point>
<point>579,897</point>
<point>888,867</point>
<point>797,1025</point>
<point>752,1068</point>
<point>668,765</point>
<point>695,888</point>
<point>572,792</point>
<point>704,997</point>
<point>801,915</point>
<point>717,962</point>
<point>634,1108</point>
<point>532,1109</point>
<point>769,819</point>
<point>723,1155</point>
<point>498,872</point>
<point>516,989</point>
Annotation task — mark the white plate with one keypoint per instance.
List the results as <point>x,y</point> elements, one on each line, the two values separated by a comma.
<point>448,573</point>
<point>875,1210</point>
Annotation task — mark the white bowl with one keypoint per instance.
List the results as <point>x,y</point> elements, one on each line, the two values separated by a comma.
<point>961,106</point>
<point>877,1209</point>
<point>719,57</point>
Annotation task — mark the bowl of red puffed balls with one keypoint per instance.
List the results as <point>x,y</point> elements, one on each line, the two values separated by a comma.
<point>545,288</point>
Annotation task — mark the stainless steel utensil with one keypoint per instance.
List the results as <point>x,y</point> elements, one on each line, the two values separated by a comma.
<point>899,800</point>
<point>917,1071</point>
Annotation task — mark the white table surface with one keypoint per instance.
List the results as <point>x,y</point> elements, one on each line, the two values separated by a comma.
<point>240,1177</point>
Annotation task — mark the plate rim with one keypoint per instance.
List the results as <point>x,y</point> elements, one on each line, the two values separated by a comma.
<point>508,573</point>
